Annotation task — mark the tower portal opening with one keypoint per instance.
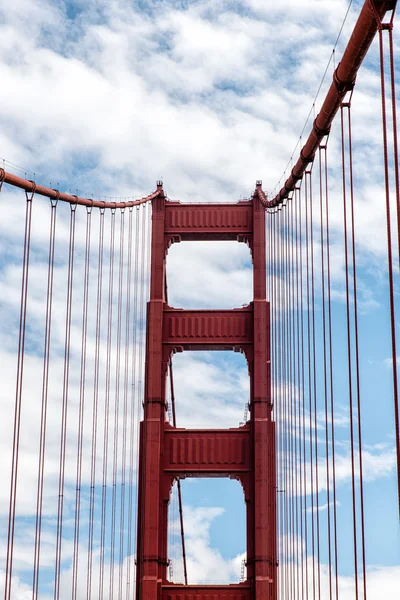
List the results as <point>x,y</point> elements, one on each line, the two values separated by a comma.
<point>209,274</point>
<point>211,389</point>
<point>214,518</point>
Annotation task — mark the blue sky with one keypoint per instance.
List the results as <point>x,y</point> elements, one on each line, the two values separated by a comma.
<point>106,98</point>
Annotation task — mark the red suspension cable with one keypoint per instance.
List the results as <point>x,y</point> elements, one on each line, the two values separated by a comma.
<point>343,81</point>
<point>31,187</point>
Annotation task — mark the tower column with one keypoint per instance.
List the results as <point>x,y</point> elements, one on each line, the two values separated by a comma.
<point>246,453</point>
<point>150,503</point>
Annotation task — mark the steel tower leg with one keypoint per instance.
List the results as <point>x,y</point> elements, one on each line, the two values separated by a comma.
<point>246,453</point>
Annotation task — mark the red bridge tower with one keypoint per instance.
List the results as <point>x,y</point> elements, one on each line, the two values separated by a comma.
<point>246,453</point>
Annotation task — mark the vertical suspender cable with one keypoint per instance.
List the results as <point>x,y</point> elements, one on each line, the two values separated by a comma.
<point>322,188</point>
<point>276,399</point>
<point>64,414</point>
<point>299,468</point>
<point>303,388</point>
<point>356,356</point>
<point>290,375</point>
<point>284,394</point>
<point>95,412</point>
<point>144,268</point>
<point>397,188</point>
<point>295,386</point>
<point>107,406</point>
<point>285,358</point>
<point>44,401</point>
<point>309,377</point>
<point>279,393</point>
<point>126,412</point>
<point>294,405</point>
<point>331,394</point>
<point>113,532</point>
<point>389,249</point>
<point>349,355</point>
<point>18,399</point>
<point>314,386</point>
<point>292,400</point>
<point>82,386</point>
<point>281,401</point>
<point>135,416</point>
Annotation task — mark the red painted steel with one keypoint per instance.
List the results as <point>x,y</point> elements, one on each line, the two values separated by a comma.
<point>246,453</point>
<point>34,188</point>
<point>204,453</point>
<point>208,221</point>
<point>205,592</point>
<point>343,80</point>
<point>206,329</point>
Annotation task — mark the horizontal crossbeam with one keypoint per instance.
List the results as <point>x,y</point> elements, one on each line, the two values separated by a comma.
<point>216,452</point>
<point>208,221</point>
<point>208,329</point>
<point>206,592</point>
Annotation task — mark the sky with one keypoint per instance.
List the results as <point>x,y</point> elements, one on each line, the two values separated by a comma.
<point>102,100</point>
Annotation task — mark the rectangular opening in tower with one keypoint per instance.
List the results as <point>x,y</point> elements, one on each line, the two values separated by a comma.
<point>209,274</point>
<point>212,389</point>
<point>214,519</point>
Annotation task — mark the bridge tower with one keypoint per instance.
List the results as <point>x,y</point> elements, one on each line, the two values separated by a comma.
<point>245,453</point>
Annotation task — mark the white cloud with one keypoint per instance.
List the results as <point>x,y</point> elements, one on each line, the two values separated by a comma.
<point>208,393</point>
<point>205,564</point>
<point>382,582</point>
<point>388,362</point>
<point>379,462</point>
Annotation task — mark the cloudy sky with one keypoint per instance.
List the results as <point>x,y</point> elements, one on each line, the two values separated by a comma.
<point>103,99</point>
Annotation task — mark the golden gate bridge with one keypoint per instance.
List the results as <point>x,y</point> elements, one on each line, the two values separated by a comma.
<point>107,373</point>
